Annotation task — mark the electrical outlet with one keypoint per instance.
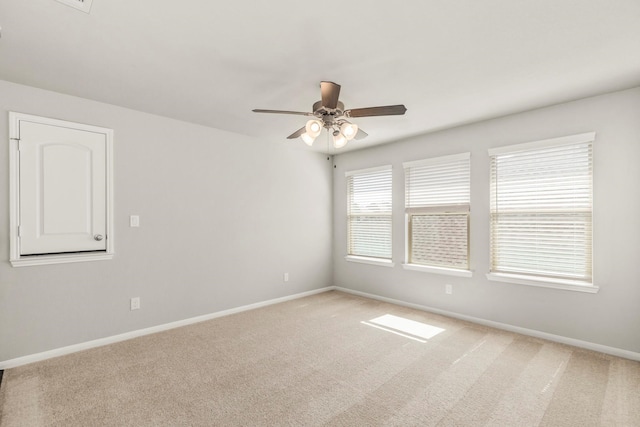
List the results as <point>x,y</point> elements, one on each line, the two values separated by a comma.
<point>286,277</point>
<point>448,289</point>
<point>135,303</point>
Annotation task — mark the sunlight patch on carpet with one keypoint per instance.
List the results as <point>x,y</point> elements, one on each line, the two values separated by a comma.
<point>407,328</point>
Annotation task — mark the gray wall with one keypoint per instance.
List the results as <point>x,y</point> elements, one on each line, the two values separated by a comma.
<point>610,317</point>
<point>223,216</point>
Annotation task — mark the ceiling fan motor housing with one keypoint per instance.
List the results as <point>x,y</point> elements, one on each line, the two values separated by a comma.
<point>328,115</point>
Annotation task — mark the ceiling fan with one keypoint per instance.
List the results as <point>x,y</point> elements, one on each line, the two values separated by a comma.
<point>329,113</point>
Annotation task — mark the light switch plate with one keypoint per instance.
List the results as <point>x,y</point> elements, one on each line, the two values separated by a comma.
<point>134,221</point>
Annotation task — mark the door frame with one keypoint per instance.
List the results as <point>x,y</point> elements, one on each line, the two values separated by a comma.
<point>14,194</point>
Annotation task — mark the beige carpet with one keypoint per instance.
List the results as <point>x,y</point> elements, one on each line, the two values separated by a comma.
<point>313,362</point>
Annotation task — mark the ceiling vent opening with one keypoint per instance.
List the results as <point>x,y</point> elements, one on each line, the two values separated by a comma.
<point>83,5</point>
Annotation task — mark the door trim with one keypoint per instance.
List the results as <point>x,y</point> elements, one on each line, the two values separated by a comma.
<point>15,258</point>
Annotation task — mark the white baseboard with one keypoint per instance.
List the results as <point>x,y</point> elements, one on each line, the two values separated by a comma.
<point>19,361</point>
<point>524,331</point>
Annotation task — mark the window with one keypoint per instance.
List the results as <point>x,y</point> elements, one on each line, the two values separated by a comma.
<point>541,209</point>
<point>369,213</point>
<point>437,205</point>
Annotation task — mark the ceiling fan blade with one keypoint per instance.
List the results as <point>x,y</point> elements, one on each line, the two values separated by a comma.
<point>361,134</point>
<point>297,133</point>
<point>388,110</point>
<point>300,113</point>
<point>330,93</point>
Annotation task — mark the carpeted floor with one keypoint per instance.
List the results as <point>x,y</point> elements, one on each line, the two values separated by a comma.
<point>329,359</point>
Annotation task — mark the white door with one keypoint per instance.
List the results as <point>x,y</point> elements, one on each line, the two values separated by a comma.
<point>62,189</point>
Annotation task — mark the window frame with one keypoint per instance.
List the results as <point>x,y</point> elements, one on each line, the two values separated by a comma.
<point>443,209</point>
<point>546,281</point>
<point>360,258</point>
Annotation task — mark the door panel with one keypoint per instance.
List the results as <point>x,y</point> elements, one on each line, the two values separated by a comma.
<point>66,205</point>
<point>62,189</point>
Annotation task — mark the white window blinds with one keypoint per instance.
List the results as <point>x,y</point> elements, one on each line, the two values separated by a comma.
<point>437,204</point>
<point>369,212</point>
<point>541,208</point>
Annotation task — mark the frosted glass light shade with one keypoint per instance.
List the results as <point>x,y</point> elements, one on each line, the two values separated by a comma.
<point>349,130</point>
<point>339,140</point>
<point>313,128</point>
<point>307,139</point>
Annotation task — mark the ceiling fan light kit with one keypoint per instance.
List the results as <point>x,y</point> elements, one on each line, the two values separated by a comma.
<point>329,113</point>
<point>313,129</point>
<point>349,130</point>
<point>308,139</point>
<point>339,140</point>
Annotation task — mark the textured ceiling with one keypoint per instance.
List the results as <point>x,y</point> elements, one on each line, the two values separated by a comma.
<point>212,62</point>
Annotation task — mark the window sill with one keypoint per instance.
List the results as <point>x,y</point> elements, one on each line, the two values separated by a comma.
<point>59,259</point>
<point>566,285</point>
<point>373,261</point>
<point>438,270</point>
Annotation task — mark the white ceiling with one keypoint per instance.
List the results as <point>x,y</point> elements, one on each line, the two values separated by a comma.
<point>211,62</point>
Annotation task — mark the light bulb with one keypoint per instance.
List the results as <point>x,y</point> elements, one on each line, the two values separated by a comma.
<point>313,128</point>
<point>307,139</point>
<point>349,130</point>
<point>339,140</point>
